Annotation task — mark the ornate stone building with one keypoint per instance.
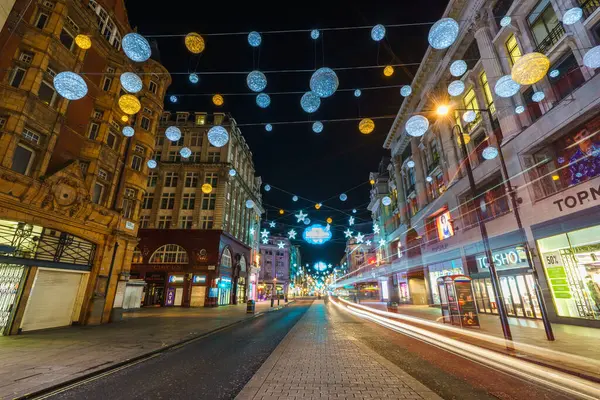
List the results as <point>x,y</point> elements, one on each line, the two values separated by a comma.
<point>71,184</point>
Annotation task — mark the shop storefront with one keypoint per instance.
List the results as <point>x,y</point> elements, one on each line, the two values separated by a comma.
<point>174,295</point>
<point>224,291</point>
<point>445,268</point>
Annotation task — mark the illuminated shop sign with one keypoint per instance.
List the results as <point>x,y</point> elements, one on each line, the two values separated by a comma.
<point>225,282</point>
<point>199,279</point>
<point>579,199</point>
<point>444,226</point>
<point>176,279</point>
<point>317,234</point>
<point>513,257</point>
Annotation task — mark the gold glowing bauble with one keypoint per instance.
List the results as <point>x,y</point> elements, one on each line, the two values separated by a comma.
<point>555,177</point>
<point>329,220</point>
<point>125,118</point>
<point>129,104</point>
<point>206,188</point>
<point>318,205</point>
<point>388,70</point>
<point>366,126</point>
<point>372,181</point>
<point>530,68</point>
<point>218,100</point>
<point>83,41</point>
<point>466,137</point>
<point>194,43</point>
<point>281,212</point>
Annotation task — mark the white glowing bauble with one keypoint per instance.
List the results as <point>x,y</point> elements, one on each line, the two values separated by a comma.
<point>70,85</point>
<point>429,179</point>
<point>173,133</point>
<point>443,33</point>
<point>572,15</point>
<point>410,164</point>
<point>310,102</point>
<point>324,82</point>
<point>294,198</point>
<point>151,164</point>
<point>456,88</point>
<point>386,201</point>
<point>249,204</point>
<point>458,68</point>
<point>505,21</point>
<point>128,131</point>
<point>131,82</point>
<point>218,136</point>
<point>136,47</point>
<point>538,96</point>
<point>268,127</point>
<point>343,197</point>
<point>314,34</point>
<point>263,100</point>
<point>519,109</point>
<point>267,188</point>
<point>405,91</point>
<point>554,73</point>
<point>378,32</point>
<point>256,81</point>
<point>185,152</point>
<point>417,125</point>
<point>194,78</point>
<point>357,93</point>
<point>254,39</point>
<point>232,172</point>
<point>506,87</point>
<point>306,221</point>
<point>469,116</point>
<point>173,99</point>
<point>592,58</point>
<point>317,127</point>
<point>489,153</point>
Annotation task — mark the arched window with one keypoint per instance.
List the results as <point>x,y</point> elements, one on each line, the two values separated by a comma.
<point>243,264</point>
<point>226,258</point>
<point>137,256</point>
<point>169,254</point>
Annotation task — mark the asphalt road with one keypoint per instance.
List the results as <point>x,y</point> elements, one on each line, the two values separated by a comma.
<point>214,367</point>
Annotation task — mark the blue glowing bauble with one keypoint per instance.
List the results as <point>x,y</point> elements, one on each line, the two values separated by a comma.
<point>561,160</point>
<point>443,33</point>
<point>324,82</point>
<point>267,188</point>
<point>185,152</point>
<point>136,47</point>
<point>254,39</point>
<point>386,201</point>
<point>263,100</point>
<point>316,234</point>
<point>317,127</point>
<point>310,102</point>
<point>489,153</point>
<point>458,68</point>
<point>173,133</point>
<point>314,34</point>
<point>554,73</point>
<point>354,211</point>
<point>173,99</point>
<point>268,127</point>
<point>131,82</point>
<point>257,81</point>
<point>343,197</point>
<point>469,116</point>
<point>295,198</point>
<point>151,164</point>
<point>218,136</point>
<point>357,93</point>
<point>249,204</point>
<point>128,131</point>
<point>417,125</point>
<point>429,179</point>
<point>519,109</point>
<point>306,221</point>
<point>591,59</point>
<point>70,85</point>
<point>506,87</point>
<point>456,88</point>
<point>505,21</point>
<point>410,164</point>
<point>232,172</point>
<point>538,96</point>
<point>194,78</point>
<point>405,91</point>
<point>378,32</point>
<point>572,15</point>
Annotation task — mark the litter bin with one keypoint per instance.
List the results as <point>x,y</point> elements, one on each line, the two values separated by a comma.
<point>250,307</point>
<point>392,306</point>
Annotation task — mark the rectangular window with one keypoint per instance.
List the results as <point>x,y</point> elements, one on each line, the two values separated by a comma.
<point>98,114</point>
<point>47,94</point>
<point>195,157</point>
<point>112,141</point>
<point>26,57</point>
<point>145,123</point>
<point>22,161</point>
<point>67,39</point>
<point>207,222</point>
<point>195,139</point>
<point>489,99</point>
<point>167,201</point>
<point>144,221</point>
<point>214,156</point>
<point>136,163</point>
<point>164,222</point>
<point>108,78</point>
<point>147,201</point>
<point>128,208</point>
<point>152,179</point>
<point>174,156</point>
<point>512,48</point>
<point>153,87</point>
<point>160,141</point>
<point>102,174</point>
<point>185,222</point>
<point>148,111</point>
<point>139,149</point>
<point>212,178</point>
<point>191,179</point>
<point>470,103</point>
<point>31,136</point>
<point>542,22</point>
<point>41,21</point>
<point>84,165</point>
<point>17,77</point>
<point>98,193</point>
<point>171,179</point>
<point>492,197</point>
<point>209,201</point>
<point>93,131</point>
<point>189,201</point>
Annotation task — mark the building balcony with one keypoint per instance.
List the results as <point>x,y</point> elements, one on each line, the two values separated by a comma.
<point>588,7</point>
<point>550,40</point>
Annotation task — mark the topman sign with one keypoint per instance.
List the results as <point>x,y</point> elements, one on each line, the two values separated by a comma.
<point>578,199</point>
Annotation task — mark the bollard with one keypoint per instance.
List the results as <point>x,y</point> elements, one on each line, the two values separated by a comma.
<point>250,307</point>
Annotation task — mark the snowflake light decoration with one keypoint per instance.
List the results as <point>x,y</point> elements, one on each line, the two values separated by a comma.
<point>376,229</point>
<point>280,245</point>
<point>381,242</point>
<point>351,221</point>
<point>300,216</point>
<point>292,234</point>
<point>264,233</point>
<point>348,233</point>
<point>359,237</point>
<point>272,224</point>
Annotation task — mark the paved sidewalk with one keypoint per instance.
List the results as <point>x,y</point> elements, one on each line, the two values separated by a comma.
<point>38,360</point>
<point>316,360</point>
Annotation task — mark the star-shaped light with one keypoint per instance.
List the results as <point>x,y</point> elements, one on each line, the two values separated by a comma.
<point>376,229</point>
<point>265,240</point>
<point>359,237</point>
<point>252,231</point>
<point>329,265</point>
<point>292,234</point>
<point>264,234</point>
<point>348,233</point>
<point>351,221</point>
<point>300,216</point>
<point>281,245</point>
<point>381,242</point>
<point>368,242</point>
<point>272,224</point>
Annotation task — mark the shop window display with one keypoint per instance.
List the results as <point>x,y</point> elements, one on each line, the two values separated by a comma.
<point>446,268</point>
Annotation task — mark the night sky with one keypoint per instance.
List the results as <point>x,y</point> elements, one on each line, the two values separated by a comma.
<point>292,157</point>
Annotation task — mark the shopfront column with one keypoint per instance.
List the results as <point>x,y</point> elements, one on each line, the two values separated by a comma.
<point>419,174</point>
<point>400,188</point>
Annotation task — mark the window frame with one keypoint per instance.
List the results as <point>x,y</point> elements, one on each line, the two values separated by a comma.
<point>30,163</point>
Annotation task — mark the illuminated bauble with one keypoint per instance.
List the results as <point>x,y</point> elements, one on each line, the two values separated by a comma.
<point>249,204</point>
<point>173,99</point>
<point>70,85</point>
<point>324,82</point>
<point>386,201</point>
<point>354,211</point>
<point>505,21</point>
<point>315,34</point>
<point>194,78</point>
<point>151,164</point>
<point>267,188</point>
<point>207,188</point>
<point>591,59</point>
<point>343,197</point>
<point>458,68</point>
<point>136,47</point>
<point>128,131</point>
<point>366,126</point>
<point>506,87</point>
<point>417,125</point>
<point>388,70</point>
<point>456,88</point>
<point>489,153</point>
<point>469,116</point>
<point>318,206</point>
<point>131,82</point>
<point>306,221</point>
<point>572,15</point>
<point>268,127</point>
<point>129,104</point>
<point>329,220</point>
<point>294,198</point>
<point>538,96</point>
<point>125,118</point>
<point>530,68</point>
<point>281,212</point>
<point>405,91</point>
<point>217,100</point>
<point>83,41</point>
<point>554,73</point>
<point>519,109</point>
<point>254,39</point>
<point>357,93</point>
<point>378,32</point>
<point>263,100</point>
<point>466,137</point>
<point>410,164</point>
<point>232,172</point>
<point>185,152</point>
<point>317,127</point>
<point>310,102</point>
<point>429,179</point>
<point>256,81</point>
<point>218,136</point>
<point>173,133</point>
<point>194,43</point>
<point>372,181</point>
<point>443,33</point>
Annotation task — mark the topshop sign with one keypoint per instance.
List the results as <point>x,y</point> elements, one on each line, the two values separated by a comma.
<point>512,257</point>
